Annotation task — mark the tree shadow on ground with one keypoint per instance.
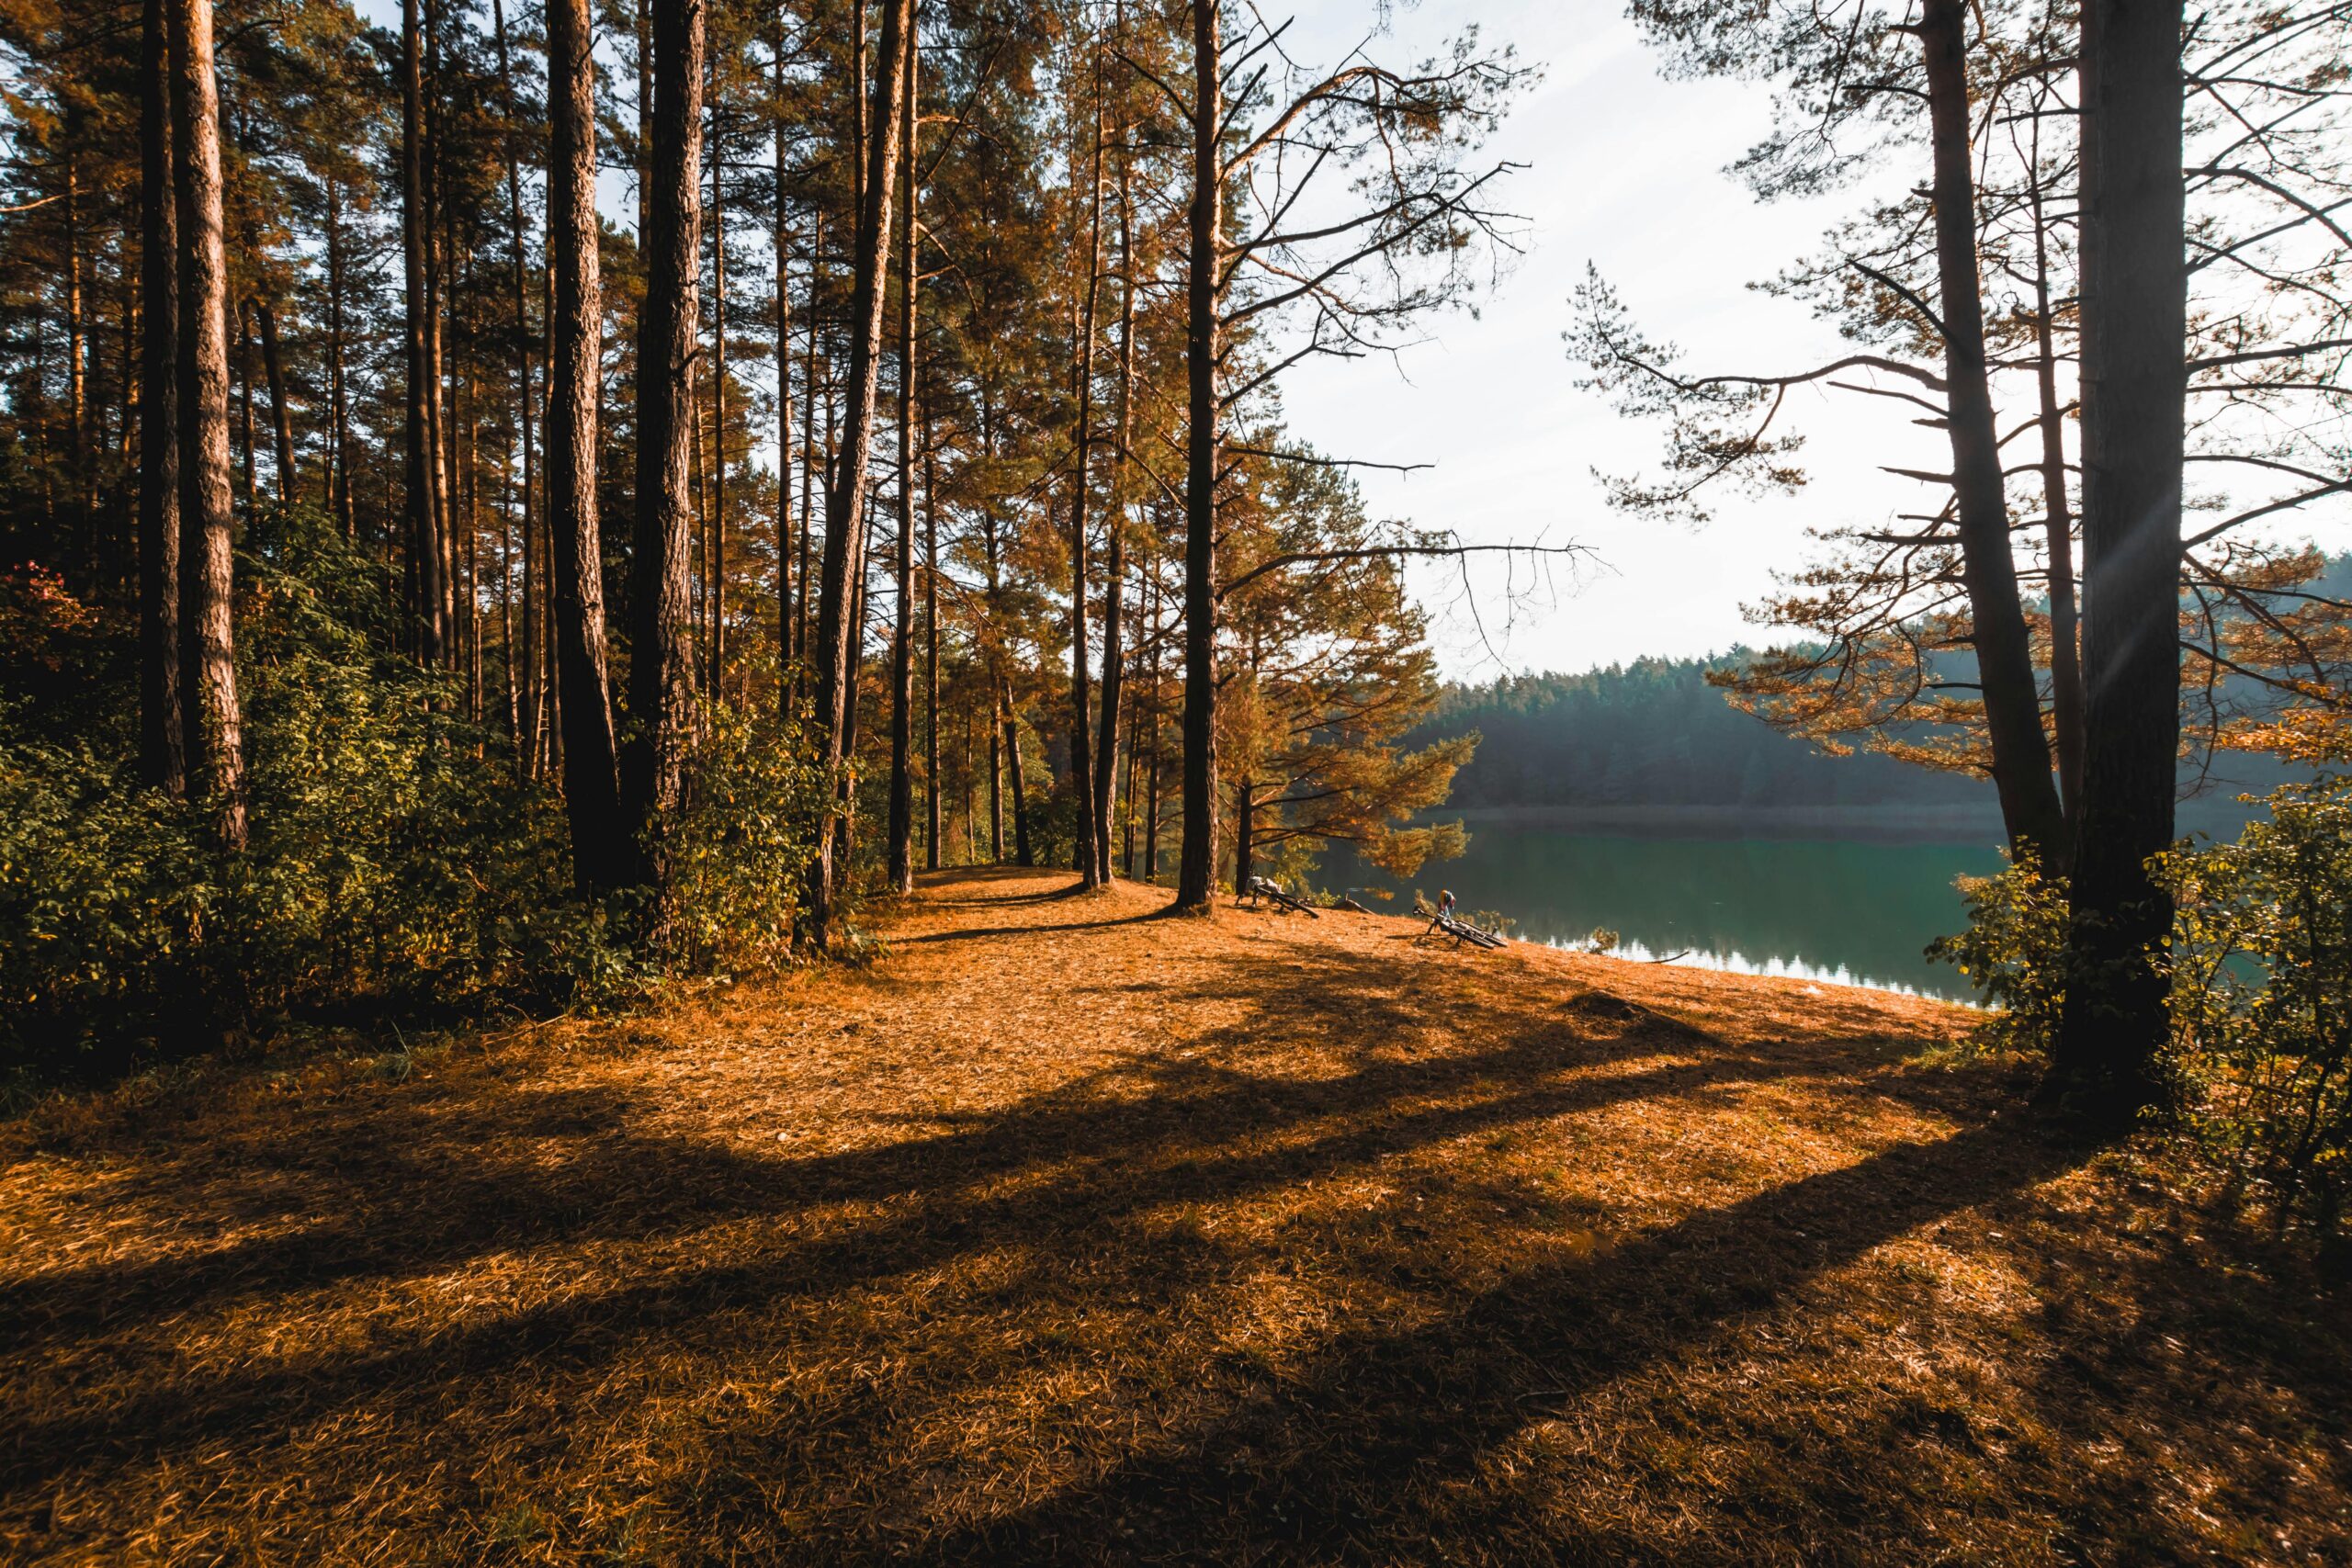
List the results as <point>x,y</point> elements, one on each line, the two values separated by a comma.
<point>1018,1336</point>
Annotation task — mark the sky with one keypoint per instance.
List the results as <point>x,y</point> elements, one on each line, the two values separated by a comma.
<point>1625,171</point>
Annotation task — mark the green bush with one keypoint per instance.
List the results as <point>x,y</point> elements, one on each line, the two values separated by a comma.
<point>102,896</point>
<point>396,868</point>
<point>744,843</point>
<point>2014,954</point>
<point>2261,1001</point>
<point>2261,997</point>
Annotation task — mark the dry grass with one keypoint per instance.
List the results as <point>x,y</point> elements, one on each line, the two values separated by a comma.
<point>1070,1234</point>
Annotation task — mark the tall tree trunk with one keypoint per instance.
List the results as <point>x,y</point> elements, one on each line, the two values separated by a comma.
<point>421,463</point>
<point>2058,525</point>
<point>128,346</point>
<point>600,840</point>
<point>660,584</point>
<point>77,353</point>
<point>1158,720</point>
<point>281,420</point>
<point>1022,853</point>
<point>1127,816</point>
<point>2134,322</point>
<point>845,824</point>
<point>844,564</point>
<point>338,394</point>
<point>526,721</point>
<point>812,466</point>
<point>861,74</point>
<point>996,786</point>
<point>215,737</point>
<point>468,432</point>
<point>931,642</point>
<point>1245,826</point>
<point>1092,831</point>
<point>2029,804</point>
<point>1196,870</point>
<point>437,251</point>
<point>899,832</point>
<point>715,554</point>
<point>245,400</point>
<point>784,578</point>
<point>509,660</point>
<point>161,725</point>
<point>1114,563</point>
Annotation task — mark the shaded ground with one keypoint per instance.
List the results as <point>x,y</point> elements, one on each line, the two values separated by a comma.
<point>1071,1235</point>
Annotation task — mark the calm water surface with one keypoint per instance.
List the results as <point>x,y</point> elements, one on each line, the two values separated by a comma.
<point>1856,913</point>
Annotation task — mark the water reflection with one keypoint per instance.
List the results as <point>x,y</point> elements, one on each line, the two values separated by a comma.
<point>1855,913</point>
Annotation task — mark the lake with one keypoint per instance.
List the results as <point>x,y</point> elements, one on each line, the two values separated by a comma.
<point>1854,907</point>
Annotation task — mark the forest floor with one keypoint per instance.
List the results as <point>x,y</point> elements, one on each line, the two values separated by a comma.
<point>1063,1233</point>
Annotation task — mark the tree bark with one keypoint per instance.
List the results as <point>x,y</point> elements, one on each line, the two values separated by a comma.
<point>811,469</point>
<point>2135,323</point>
<point>1024,852</point>
<point>845,561</point>
<point>576,326</point>
<point>161,725</point>
<point>784,578</point>
<point>439,437</point>
<point>1245,823</point>
<point>77,353</point>
<point>526,722</point>
<point>931,642</point>
<point>1196,868</point>
<point>1091,832</point>
<point>281,419</point>
<point>2058,525</point>
<point>1151,784</point>
<point>901,828</point>
<point>214,743</point>
<point>2030,804</point>
<point>996,789</point>
<point>660,718</point>
<point>1114,563</point>
<point>244,386</point>
<point>420,461</point>
<point>715,553</point>
<point>338,393</point>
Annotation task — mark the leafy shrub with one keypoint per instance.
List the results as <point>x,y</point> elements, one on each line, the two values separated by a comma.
<point>397,866</point>
<point>2261,997</point>
<point>103,894</point>
<point>2262,1001</point>
<point>744,843</point>
<point>2014,954</point>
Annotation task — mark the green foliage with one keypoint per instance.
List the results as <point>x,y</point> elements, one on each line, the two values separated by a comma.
<point>2014,954</point>
<point>103,892</point>
<point>1655,732</point>
<point>744,843</point>
<point>397,869</point>
<point>2262,1001</point>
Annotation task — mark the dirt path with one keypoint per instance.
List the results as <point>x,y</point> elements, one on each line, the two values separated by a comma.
<point>1070,1234</point>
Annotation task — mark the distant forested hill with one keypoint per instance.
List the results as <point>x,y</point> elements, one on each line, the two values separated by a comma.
<point>1653,733</point>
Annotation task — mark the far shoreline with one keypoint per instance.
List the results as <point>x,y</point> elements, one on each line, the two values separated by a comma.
<point>1975,825</point>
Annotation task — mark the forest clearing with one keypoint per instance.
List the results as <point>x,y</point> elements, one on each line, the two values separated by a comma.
<point>648,653</point>
<point>1064,1233</point>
